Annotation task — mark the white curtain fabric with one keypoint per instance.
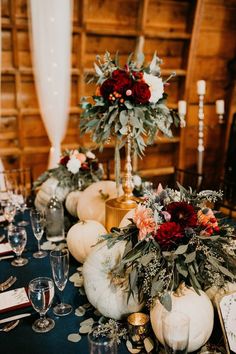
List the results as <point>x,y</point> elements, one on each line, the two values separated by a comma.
<point>50,25</point>
<point>2,183</point>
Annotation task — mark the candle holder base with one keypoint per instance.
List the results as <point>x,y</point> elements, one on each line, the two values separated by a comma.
<point>117,208</point>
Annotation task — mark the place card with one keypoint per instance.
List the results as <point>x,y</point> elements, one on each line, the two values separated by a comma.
<point>13,299</point>
<point>5,248</point>
<point>226,306</point>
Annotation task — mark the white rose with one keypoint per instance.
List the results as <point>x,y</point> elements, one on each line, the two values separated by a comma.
<point>90,155</point>
<point>155,85</point>
<point>73,165</point>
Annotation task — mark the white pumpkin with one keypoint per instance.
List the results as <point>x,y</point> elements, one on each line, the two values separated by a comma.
<point>46,192</point>
<point>91,204</point>
<point>200,311</point>
<point>72,201</point>
<point>82,236</point>
<point>106,293</point>
<point>125,221</point>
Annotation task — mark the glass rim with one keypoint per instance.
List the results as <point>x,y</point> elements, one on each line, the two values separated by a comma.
<point>96,339</point>
<point>59,253</point>
<point>38,279</point>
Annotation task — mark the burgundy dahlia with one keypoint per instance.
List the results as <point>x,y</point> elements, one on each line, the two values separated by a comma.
<point>107,88</point>
<point>141,92</point>
<point>182,213</point>
<point>168,235</point>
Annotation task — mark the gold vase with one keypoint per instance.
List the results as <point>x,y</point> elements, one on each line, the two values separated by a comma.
<point>117,208</point>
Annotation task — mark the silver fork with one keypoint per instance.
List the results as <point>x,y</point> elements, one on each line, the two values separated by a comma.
<point>8,283</point>
<point>9,326</point>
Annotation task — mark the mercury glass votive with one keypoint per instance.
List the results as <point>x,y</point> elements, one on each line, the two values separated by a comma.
<point>138,328</point>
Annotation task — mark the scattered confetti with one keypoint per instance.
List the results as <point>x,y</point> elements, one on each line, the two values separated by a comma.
<point>87,305</point>
<point>130,347</point>
<point>75,277</point>
<point>74,337</point>
<point>148,344</point>
<point>97,313</point>
<point>85,329</point>
<point>80,311</point>
<point>88,322</point>
<point>48,246</point>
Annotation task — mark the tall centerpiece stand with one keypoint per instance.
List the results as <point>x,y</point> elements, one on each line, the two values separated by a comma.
<point>117,208</point>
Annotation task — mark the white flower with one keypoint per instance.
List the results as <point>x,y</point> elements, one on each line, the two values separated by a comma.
<point>137,180</point>
<point>155,85</point>
<point>90,155</point>
<point>73,165</point>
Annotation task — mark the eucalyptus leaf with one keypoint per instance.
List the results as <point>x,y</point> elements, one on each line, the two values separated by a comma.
<point>190,257</point>
<point>166,301</point>
<point>123,118</point>
<point>181,249</point>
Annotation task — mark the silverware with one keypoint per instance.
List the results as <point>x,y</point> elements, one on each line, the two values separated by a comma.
<point>9,326</point>
<point>8,283</point>
<point>16,317</point>
<point>7,257</point>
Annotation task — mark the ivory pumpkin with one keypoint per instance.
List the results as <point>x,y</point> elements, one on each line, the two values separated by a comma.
<point>91,204</point>
<point>107,294</point>
<point>200,312</point>
<point>214,292</point>
<point>72,201</point>
<point>125,221</point>
<point>47,190</point>
<point>82,236</point>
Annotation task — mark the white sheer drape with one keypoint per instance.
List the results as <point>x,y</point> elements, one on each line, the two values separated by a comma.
<point>2,183</point>
<point>51,52</point>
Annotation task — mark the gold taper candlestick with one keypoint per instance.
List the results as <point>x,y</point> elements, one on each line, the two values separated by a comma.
<point>117,208</point>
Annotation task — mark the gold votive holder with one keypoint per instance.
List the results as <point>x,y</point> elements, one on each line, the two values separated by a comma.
<point>138,328</point>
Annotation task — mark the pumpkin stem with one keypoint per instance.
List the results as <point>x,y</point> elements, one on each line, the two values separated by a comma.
<point>82,222</point>
<point>180,290</point>
<point>104,196</point>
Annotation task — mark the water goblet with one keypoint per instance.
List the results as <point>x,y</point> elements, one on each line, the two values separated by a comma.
<point>17,239</point>
<point>38,224</point>
<point>41,293</point>
<point>59,260</point>
<point>101,343</point>
<point>175,332</point>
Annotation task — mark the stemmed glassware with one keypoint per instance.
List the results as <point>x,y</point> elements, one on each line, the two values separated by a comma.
<point>175,332</point>
<point>17,239</point>
<point>9,213</point>
<point>59,260</point>
<point>38,224</point>
<point>41,293</point>
<point>100,343</point>
<point>22,203</point>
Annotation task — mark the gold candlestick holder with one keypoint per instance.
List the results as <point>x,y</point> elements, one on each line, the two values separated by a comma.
<point>117,208</point>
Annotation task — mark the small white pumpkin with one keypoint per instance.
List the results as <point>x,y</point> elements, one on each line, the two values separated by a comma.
<point>82,236</point>
<point>47,190</point>
<point>125,221</point>
<point>200,311</point>
<point>108,294</point>
<point>72,201</point>
<point>91,204</point>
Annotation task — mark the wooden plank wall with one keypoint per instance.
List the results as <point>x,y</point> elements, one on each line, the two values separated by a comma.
<point>194,38</point>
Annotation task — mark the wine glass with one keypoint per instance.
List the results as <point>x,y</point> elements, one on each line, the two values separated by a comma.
<point>41,293</point>
<point>38,224</point>
<point>22,196</point>
<point>101,343</point>
<point>175,332</point>
<point>59,260</point>
<point>17,239</point>
<point>9,213</point>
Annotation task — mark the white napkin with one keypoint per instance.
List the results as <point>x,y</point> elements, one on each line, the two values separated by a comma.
<point>5,248</point>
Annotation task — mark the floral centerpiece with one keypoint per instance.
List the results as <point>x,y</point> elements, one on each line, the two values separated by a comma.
<point>76,169</point>
<point>175,238</point>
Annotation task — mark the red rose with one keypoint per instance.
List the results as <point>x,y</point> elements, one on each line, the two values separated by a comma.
<point>141,92</point>
<point>84,166</point>
<point>168,234</point>
<point>123,81</point>
<point>138,75</point>
<point>107,88</point>
<point>64,160</point>
<point>182,213</point>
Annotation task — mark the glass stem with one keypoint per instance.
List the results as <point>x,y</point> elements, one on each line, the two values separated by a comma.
<point>39,247</point>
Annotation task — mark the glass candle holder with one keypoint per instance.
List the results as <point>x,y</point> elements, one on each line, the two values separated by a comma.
<point>139,328</point>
